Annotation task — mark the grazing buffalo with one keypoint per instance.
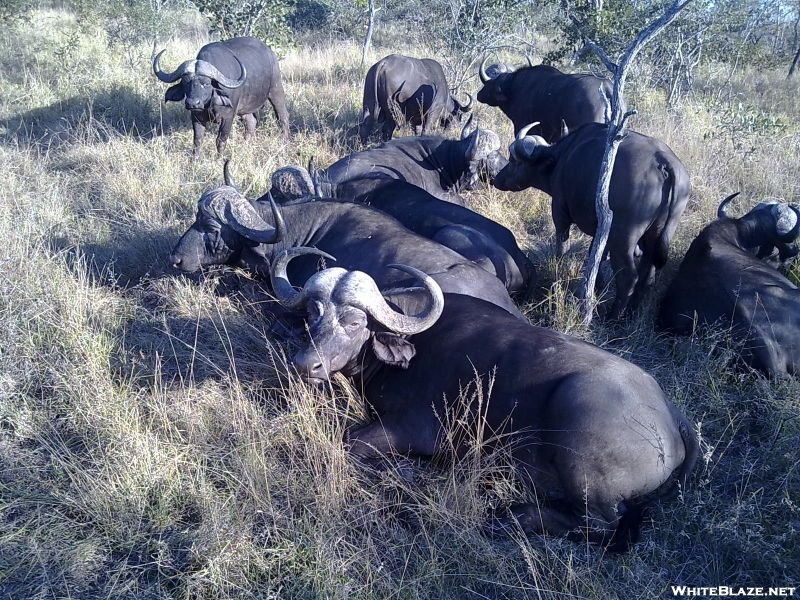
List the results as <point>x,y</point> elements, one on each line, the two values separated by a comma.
<point>232,230</point>
<point>545,95</point>
<point>472,235</point>
<point>440,166</point>
<point>400,88</point>
<point>649,191</point>
<point>229,78</point>
<point>593,433</point>
<point>721,281</point>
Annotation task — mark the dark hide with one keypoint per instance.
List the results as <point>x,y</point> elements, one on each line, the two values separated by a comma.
<point>472,235</point>
<point>440,166</point>
<point>592,433</point>
<point>648,193</point>
<point>359,237</point>
<point>209,102</point>
<point>722,282</point>
<point>400,88</point>
<point>545,94</point>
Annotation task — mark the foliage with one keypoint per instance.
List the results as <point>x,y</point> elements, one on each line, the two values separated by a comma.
<point>266,19</point>
<point>13,11</point>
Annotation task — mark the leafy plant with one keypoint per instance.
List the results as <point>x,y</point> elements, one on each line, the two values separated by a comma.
<point>266,19</point>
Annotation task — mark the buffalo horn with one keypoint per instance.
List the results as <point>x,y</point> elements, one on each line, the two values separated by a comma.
<point>379,309</point>
<point>524,131</point>
<point>467,129</point>
<point>313,173</point>
<point>284,290</point>
<point>786,221</point>
<point>468,106</point>
<point>206,69</point>
<point>529,59</point>
<point>226,173</point>
<point>482,71</point>
<point>722,211</point>
<point>187,66</point>
<point>230,207</point>
<point>564,129</point>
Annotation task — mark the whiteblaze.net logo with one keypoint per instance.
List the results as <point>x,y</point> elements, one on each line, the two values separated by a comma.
<point>726,591</point>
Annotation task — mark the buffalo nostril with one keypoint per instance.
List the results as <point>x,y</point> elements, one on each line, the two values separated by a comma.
<point>175,260</point>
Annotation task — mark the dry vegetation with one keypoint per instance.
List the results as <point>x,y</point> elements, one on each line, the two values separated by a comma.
<point>154,444</point>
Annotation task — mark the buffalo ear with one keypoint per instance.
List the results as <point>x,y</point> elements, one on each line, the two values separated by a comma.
<point>174,94</point>
<point>219,99</point>
<point>393,349</point>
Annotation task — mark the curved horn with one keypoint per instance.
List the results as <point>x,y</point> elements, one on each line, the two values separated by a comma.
<point>313,172</point>
<point>207,69</point>
<point>529,59</point>
<point>376,306</point>
<point>226,173</point>
<point>564,129</point>
<point>239,214</point>
<point>467,129</point>
<point>186,66</point>
<point>283,289</point>
<point>482,71</point>
<point>468,106</point>
<point>722,211</point>
<point>524,131</point>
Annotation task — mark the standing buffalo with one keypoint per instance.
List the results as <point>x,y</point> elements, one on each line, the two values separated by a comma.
<point>722,281</point>
<point>649,191</point>
<point>441,166</point>
<point>232,230</point>
<point>229,78</point>
<point>545,95</point>
<point>592,433</point>
<point>472,235</point>
<point>400,88</point>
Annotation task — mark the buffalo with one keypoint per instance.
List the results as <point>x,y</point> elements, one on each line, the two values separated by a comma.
<point>443,167</point>
<point>648,194</point>
<point>400,88</point>
<point>723,282</point>
<point>228,78</point>
<point>545,95</point>
<point>592,433</point>
<point>232,230</point>
<point>472,235</point>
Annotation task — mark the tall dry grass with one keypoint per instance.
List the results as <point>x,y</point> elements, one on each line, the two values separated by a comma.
<point>154,442</point>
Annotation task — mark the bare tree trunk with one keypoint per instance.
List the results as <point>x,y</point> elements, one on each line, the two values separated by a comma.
<point>794,62</point>
<point>370,27</point>
<point>616,133</point>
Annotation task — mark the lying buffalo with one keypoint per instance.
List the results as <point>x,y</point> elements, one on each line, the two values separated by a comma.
<point>545,95</point>
<point>400,88</point>
<point>232,230</point>
<point>722,281</point>
<point>594,434</point>
<point>229,78</point>
<point>441,166</point>
<point>472,235</point>
<point>648,193</point>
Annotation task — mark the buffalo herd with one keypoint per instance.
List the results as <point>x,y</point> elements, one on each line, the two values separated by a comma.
<point>408,292</point>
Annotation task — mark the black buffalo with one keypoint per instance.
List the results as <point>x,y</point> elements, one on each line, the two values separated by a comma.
<point>229,78</point>
<point>545,95</point>
<point>472,235</point>
<point>230,229</point>
<point>441,166</point>
<point>721,281</point>
<point>648,193</point>
<point>593,433</point>
<point>400,88</point>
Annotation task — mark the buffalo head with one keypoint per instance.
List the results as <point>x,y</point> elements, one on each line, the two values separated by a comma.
<point>345,310</point>
<point>202,84</point>
<point>482,152</point>
<point>768,227</point>
<point>226,224</point>
<point>530,164</point>
<point>494,80</point>
<point>455,111</point>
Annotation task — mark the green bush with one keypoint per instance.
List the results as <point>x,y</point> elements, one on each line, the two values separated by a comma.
<point>266,19</point>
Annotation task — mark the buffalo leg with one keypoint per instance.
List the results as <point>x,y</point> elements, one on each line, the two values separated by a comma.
<point>223,135</point>
<point>388,129</point>
<point>199,125</point>
<point>562,222</point>
<point>625,277</point>
<point>383,437</point>
<point>250,122</point>
<point>277,98</point>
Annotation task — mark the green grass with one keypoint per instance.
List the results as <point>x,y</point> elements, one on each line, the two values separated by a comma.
<point>155,444</point>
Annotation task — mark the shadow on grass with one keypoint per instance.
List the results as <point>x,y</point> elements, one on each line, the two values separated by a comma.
<point>93,117</point>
